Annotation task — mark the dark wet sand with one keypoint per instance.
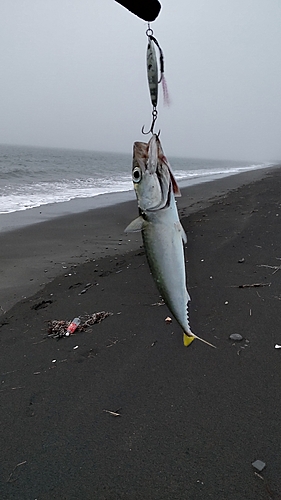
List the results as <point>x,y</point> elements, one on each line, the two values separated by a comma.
<point>192,420</point>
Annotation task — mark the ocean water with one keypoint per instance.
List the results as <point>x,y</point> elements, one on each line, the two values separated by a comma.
<point>31,176</point>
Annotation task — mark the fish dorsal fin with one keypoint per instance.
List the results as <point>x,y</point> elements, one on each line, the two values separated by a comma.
<point>135,225</point>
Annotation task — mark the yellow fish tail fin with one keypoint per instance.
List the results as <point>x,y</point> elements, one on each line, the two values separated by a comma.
<point>187,339</point>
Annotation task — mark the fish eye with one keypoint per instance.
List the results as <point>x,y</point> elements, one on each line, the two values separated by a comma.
<point>137,174</point>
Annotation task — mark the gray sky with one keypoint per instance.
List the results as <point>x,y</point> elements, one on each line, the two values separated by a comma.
<point>73,74</point>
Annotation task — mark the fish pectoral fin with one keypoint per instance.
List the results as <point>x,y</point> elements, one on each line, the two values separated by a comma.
<point>135,225</point>
<point>187,339</point>
<point>182,231</point>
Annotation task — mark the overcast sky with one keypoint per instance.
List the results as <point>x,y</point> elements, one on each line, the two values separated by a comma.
<point>73,75</point>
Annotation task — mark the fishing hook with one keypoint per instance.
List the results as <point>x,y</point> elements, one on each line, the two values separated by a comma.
<point>154,118</point>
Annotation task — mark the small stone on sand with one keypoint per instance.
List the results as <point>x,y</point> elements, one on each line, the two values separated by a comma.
<point>236,336</point>
<point>258,465</point>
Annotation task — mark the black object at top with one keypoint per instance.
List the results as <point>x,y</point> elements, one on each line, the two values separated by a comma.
<point>147,10</point>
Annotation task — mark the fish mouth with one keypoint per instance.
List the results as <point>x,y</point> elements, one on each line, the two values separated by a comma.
<point>152,161</point>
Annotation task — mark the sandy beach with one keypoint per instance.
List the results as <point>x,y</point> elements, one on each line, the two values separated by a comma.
<point>123,410</point>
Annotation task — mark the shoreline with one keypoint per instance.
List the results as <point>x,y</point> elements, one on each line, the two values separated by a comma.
<point>35,253</point>
<point>22,218</point>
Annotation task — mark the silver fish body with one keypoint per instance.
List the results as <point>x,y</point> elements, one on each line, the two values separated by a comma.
<point>161,229</point>
<point>162,237</point>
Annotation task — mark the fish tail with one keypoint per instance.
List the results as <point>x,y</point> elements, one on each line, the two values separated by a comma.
<point>187,339</point>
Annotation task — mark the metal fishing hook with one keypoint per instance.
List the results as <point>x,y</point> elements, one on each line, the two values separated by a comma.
<point>154,118</point>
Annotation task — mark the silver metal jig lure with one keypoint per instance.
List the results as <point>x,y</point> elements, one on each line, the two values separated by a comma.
<point>152,74</point>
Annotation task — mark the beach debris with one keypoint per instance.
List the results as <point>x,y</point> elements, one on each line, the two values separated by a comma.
<point>168,320</point>
<point>73,326</point>
<point>277,346</point>
<point>112,342</point>
<point>253,285</point>
<point>4,312</point>
<point>10,478</point>
<point>113,413</point>
<point>13,388</point>
<point>276,268</point>
<point>75,347</point>
<point>89,285</point>
<point>162,232</point>
<point>258,475</point>
<point>236,337</point>
<point>258,465</point>
<point>241,261</point>
<point>59,328</point>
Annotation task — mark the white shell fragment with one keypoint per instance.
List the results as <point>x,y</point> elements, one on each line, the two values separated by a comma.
<point>168,319</point>
<point>277,346</point>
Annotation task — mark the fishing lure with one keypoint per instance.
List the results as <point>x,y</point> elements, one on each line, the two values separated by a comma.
<point>152,76</point>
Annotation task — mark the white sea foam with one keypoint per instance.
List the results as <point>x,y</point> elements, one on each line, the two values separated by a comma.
<point>32,177</point>
<point>35,195</point>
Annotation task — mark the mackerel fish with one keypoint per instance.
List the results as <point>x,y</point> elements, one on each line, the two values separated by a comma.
<point>162,232</point>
